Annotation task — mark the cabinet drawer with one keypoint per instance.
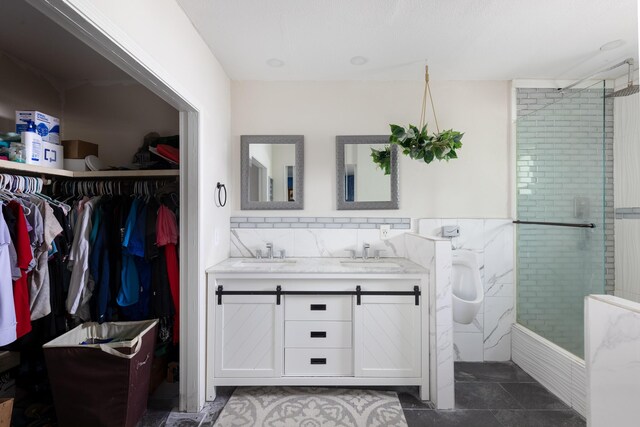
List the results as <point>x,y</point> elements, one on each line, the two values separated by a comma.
<point>318,362</point>
<point>317,307</point>
<point>317,334</point>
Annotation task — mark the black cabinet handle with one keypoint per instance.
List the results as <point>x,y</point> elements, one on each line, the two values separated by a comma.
<point>318,307</point>
<point>318,334</point>
<point>318,361</point>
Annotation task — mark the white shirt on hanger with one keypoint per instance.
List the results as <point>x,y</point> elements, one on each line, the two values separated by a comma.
<point>7,308</point>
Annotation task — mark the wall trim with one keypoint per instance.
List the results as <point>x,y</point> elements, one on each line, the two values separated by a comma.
<point>563,373</point>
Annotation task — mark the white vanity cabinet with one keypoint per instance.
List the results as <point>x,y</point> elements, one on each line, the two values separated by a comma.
<point>317,329</point>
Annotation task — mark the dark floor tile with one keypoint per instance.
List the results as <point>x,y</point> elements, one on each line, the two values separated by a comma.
<point>409,401</point>
<point>457,418</point>
<point>476,395</point>
<point>523,418</point>
<point>534,396</point>
<point>491,372</point>
<point>153,418</point>
<point>420,417</point>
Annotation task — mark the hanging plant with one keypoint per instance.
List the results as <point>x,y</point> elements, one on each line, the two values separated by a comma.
<point>416,142</point>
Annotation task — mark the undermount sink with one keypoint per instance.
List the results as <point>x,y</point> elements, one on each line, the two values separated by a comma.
<point>266,261</point>
<point>369,263</point>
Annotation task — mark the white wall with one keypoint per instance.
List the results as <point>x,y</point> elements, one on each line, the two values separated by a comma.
<point>476,185</point>
<point>116,116</point>
<point>25,88</point>
<point>166,42</point>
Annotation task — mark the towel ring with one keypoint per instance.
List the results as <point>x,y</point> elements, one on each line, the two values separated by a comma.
<point>219,188</point>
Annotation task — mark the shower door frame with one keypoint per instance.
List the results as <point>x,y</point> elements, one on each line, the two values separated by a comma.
<point>559,370</point>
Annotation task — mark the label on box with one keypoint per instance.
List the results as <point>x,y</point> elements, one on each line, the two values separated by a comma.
<point>48,127</point>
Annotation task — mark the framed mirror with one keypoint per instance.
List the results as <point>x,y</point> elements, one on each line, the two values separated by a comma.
<point>272,172</point>
<point>361,183</point>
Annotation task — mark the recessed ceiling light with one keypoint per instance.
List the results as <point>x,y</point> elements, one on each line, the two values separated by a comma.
<point>275,62</point>
<point>612,45</point>
<point>358,60</point>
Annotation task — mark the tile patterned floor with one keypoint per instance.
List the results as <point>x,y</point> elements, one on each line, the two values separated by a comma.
<point>487,395</point>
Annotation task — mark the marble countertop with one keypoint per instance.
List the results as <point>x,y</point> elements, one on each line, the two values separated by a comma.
<point>393,266</point>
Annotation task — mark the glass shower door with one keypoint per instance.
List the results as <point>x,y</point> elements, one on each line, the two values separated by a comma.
<point>560,179</point>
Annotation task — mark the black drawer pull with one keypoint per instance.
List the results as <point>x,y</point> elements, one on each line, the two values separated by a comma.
<point>318,334</point>
<point>318,361</point>
<point>318,307</point>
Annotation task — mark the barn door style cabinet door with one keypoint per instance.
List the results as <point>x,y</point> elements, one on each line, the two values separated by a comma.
<point>249,337</point>
<point>387,340</point>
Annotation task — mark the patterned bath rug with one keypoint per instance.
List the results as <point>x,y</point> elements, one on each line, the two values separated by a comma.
<point>311,407</point>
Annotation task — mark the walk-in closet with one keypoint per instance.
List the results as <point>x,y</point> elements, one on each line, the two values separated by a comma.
<point>85,242</point>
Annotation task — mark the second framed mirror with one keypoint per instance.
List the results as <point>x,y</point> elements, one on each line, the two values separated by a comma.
<point>360,182</point>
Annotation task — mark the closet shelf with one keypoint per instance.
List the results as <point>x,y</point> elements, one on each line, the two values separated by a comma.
<point>22,168</point>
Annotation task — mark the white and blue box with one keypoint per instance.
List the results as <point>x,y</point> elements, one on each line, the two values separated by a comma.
<point>42,153</point>
<point>48,127</point>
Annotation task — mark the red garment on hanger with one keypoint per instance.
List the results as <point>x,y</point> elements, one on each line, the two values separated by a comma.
<point>20,288</point>
<point>167,236</point>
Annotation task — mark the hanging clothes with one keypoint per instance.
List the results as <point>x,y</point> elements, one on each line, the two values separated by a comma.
<point>130,285</point>
<point>39,286</point>
<point>99,265</point>
<point>59,275</point>
<point>24,258</point>
<point>7,308</point>
<point>81,286</point>
<point>167,237</point>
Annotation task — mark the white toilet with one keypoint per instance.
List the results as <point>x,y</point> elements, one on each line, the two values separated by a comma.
<point>468,292</point>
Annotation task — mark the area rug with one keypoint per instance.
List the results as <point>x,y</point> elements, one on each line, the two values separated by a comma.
<point>311,407</point>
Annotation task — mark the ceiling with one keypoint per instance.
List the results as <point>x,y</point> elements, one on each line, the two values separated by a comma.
<point>33,38</point>
<point>459,39</point>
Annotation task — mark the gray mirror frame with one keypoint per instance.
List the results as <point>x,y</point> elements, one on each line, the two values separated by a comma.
<point>365,139</point>
<point>298,141</point>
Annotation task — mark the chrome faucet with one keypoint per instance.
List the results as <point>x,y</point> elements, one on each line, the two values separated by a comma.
<point>365,251</point>
<point>270,250</point>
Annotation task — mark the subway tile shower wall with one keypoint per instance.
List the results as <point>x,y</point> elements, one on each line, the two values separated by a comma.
<point>561,160</point>
<point>571,124</point>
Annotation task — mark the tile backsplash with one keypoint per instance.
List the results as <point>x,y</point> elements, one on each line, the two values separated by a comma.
<point>318,222</point>
<point>314,236</point>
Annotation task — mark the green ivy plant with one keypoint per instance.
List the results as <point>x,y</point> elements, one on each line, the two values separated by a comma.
<point>419,145</point>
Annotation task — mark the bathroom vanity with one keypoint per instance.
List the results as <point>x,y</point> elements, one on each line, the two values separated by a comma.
<point>317,321</point>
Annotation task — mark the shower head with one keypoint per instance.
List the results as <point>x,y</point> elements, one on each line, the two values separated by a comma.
<point>630,89</point>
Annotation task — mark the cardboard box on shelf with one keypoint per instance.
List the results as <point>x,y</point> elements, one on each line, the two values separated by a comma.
<point>48,127</point>
<point>78,149</point>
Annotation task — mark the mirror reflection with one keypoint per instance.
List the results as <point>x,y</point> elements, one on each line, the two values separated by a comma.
<point>272,172</point>
<point>364,180</point>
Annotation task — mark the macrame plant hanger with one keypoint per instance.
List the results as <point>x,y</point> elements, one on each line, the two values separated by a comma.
<point>427,90</point>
